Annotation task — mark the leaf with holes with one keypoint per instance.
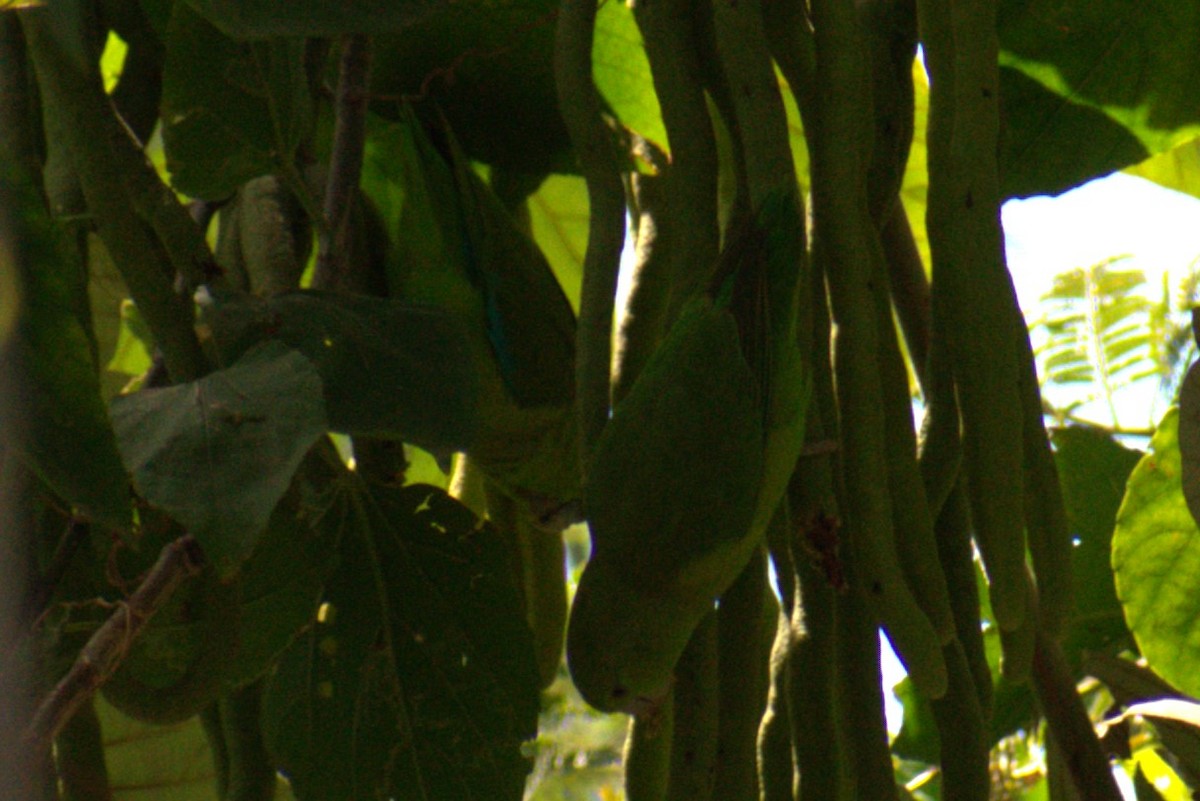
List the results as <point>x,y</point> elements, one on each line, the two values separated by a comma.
<point>418,678</point>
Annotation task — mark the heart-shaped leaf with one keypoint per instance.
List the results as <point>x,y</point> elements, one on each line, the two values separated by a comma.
<point>217,454</point>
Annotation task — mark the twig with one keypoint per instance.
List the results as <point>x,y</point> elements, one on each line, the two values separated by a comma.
<point>345,164</point>
<point>107,648</point>
<point>579,104</point>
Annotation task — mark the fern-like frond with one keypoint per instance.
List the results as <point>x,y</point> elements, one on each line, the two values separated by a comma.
<point>1099,330</point>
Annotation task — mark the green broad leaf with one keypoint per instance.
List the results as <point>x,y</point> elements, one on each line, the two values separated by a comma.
<point>418,679</point>
<point>488,67</point>
<point>558,214</point>
<point>66,433</point>
<point>155,763</point>
<point>258,19</point>
<point>1093,469</point>
<point>1177,168</point>
<point>1156,560</point>
<point>217,454</point>
<point>1089,88</point>
<point>388,369</point>
<point>622,72</point>
<point>216,635</point>
<point>1189,439</point>
<point>231,110</point>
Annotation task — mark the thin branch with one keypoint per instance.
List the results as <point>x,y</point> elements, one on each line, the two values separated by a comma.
<point>579,104</point>
<point>345,164</point>
<point>107,648</point>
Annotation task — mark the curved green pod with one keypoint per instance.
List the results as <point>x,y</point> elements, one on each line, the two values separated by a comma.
<point>670,508</point>
<point>687,475</point>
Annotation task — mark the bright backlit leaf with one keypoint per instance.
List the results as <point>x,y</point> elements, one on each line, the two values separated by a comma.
<point>1156,560</point>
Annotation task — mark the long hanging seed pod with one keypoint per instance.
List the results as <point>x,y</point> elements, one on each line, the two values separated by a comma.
<point>1045,512</point>
<point>667,28</point>
<point>776,763</point>
<point>869,774</point>
<point>694,744</point>
<point>891,45</point>
<point>647,756</point>
<point>972,291</point>
<point>960,722</point>
<point>820,744</point>
<point>579,103</point>
<point>762,125</point>
<point>813,661</point>
<point>743,641</point>
<point>844,239</point>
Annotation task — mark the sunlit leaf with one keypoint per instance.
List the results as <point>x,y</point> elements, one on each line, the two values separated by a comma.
<point>1098,330</point>
<point>1156,560</point>
<point>1143,788</point>
<point>622,72</point>
<point>1177,168</point>
<point>559,215</point>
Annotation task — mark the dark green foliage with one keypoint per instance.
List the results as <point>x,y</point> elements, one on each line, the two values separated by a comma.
<point>386,627</point>
<point>418,675</point>
<point>232,110</point>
